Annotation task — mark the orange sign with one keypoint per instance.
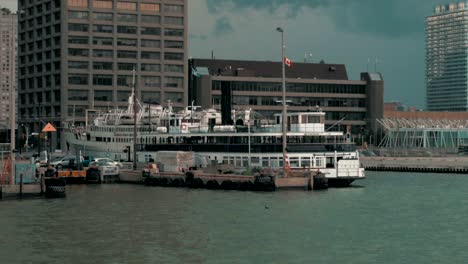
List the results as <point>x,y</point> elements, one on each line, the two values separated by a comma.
<point>49,128</point>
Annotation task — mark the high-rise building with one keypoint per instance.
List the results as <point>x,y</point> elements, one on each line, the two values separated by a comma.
<point>8,67</point>
<point>447,58</point>
<point>76,55</point>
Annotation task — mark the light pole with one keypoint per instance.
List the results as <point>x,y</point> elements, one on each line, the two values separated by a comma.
<point>283,51</point>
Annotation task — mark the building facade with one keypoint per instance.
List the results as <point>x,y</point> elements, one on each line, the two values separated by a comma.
<point>446,58</point>
<point>350,105</point>
<point>76,55</point>
<point>8,49</point>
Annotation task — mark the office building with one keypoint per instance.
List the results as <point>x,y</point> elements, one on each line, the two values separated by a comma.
<point>8,68</point>
<point>350,105</point>
<point>76,55</point>
<point>446,58</point>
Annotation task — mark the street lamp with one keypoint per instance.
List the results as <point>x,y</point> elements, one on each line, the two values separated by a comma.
<point>283,51</point>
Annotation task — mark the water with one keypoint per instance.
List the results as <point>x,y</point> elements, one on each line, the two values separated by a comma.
<point>391,218</point>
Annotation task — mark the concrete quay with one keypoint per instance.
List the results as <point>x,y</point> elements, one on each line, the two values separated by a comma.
<point>450,164</point>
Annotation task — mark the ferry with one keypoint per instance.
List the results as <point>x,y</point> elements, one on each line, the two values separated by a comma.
<point>251,142</point>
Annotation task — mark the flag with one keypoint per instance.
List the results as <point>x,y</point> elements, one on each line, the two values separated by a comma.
<point>288,62</point>
<point>195,72</point>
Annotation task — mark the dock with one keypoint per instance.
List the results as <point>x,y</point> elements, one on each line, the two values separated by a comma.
<point>199,179</point>
<point>453,165</point>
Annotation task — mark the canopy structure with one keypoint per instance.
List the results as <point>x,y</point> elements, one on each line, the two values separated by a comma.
<point>424,133</point>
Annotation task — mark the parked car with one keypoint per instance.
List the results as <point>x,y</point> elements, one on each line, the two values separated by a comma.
<point>109,161</point>
<point>106,168</point>
<point>69,162</point>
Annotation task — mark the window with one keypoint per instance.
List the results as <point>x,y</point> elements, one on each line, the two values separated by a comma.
<point>150,19</point>
<point>78,40</point>
<point>102,4</point>
<point>150,55</point>
<point>78,15</point>
<point>127,18</point>
<point>126,66</point>
<point>174,20</point>
<point>126,42</point>
<point>124,80</point>
<point>101,79</point>
<point>174,82</point>
<point>103,41</point>
<point>151,67</point>
<point>103,96</point>
<point>172,44</point>
<point>149,7</point>
<point>103,53</point>
<point>173,56</point>
<point>103,28</point>
<point>173,68</point>
<point>174,9</point>
<point>126,30</point>
<point>170,32</point>
<point>174,97</point>
<point>78,3</point>
<point>150,97</point>
<point>103,16</point>
<point>122,96</point>
<point>150,31</point>
<point>78,27</point>
<point>78,52</point>
<point>126,54</point>
<point>82,65</point>
<point>149,43</point>
<point>102,65</point>
<point>77,95</point>
<point>151,81</point>
<point>79,79</point>
<point>126,5</point>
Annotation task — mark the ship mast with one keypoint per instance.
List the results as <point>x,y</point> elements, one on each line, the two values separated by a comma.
<point>134,121</point>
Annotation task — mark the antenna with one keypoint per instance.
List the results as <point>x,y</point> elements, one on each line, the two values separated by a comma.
<point>368,62</point>
<point>212,54</point>
<point>376,62</point>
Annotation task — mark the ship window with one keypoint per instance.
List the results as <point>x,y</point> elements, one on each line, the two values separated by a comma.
<point>305,162</point>
<point>294,162</point>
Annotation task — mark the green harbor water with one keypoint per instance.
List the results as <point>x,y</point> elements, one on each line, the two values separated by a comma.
<point>387,218</point>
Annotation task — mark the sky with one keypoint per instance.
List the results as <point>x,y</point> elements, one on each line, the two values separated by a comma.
<point>387,35</point>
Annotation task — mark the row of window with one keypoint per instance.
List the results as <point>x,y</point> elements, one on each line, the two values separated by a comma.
<point>124,5</point>
<point>125,80</point>
<point>152,31</point>
<point>126,54</point>
<point>122,96</point>
<point>105,65</point>
<point>129,18</point>
<point>126,42</point>
<point>297,101</point>
<point>292,87</point>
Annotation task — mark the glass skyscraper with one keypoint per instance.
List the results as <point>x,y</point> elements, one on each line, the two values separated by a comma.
<point>447,58</point>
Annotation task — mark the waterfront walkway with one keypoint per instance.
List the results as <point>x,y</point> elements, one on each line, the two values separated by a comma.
<point>450,164</point>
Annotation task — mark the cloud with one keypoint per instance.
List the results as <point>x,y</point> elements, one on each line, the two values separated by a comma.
<point>223,26</point>
<point>391,18</point>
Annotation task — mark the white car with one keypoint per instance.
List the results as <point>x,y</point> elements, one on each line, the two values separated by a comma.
<point>109,161</point>
<point>106,168</point>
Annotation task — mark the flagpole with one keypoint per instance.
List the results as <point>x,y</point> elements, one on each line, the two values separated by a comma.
<point>283,57</point>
